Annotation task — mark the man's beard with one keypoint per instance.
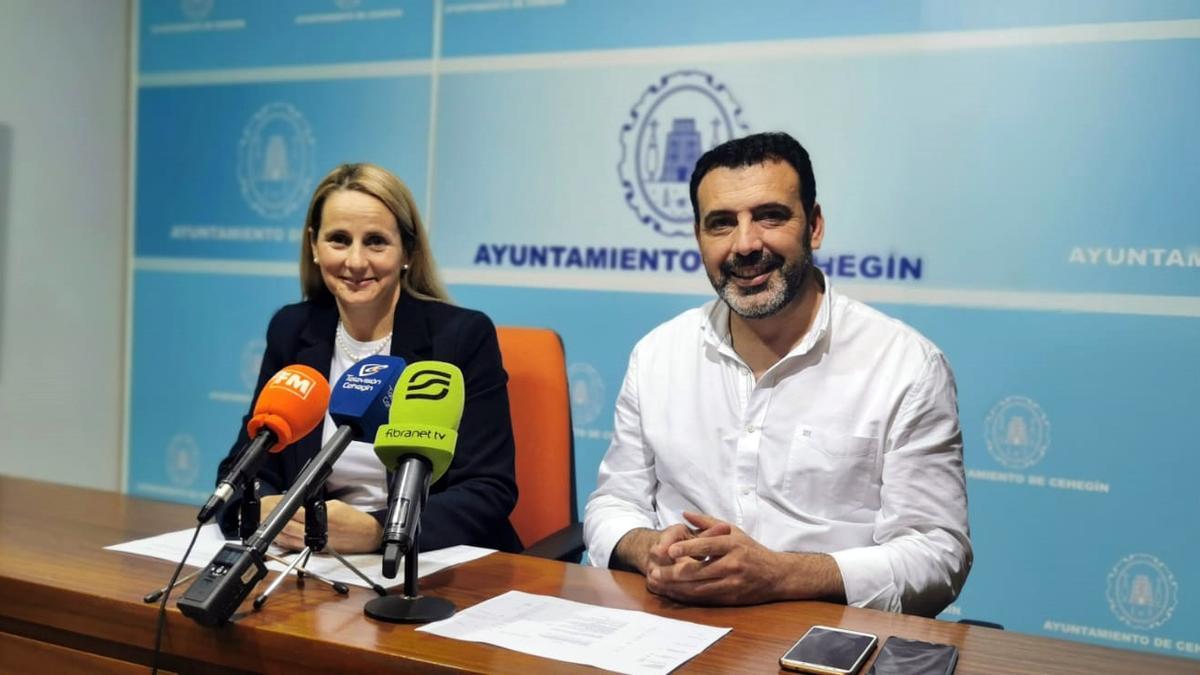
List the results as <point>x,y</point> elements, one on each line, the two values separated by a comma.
<point>771,296</point>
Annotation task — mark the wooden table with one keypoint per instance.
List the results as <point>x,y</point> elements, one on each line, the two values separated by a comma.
<point>67,605</point>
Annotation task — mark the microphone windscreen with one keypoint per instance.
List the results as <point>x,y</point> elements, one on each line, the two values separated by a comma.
<point>424,417</point>
<point>291,404</point>
<point>363,394</point>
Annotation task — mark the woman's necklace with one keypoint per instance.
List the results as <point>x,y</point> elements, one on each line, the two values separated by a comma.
<point>343,342</point>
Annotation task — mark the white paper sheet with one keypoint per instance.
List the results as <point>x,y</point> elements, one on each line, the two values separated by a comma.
<point>615,639</point>
<point>170,546</point>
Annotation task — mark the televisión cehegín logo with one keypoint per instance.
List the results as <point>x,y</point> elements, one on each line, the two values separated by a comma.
<point>251,361</point>
<point>195,10</point>
<point>677,119</point>
<point>275,160</point>
<point>1018,432</point>
<point>1141,591</point>
<point>182,460</point>
<point>587,392</point>
<point>428,384</point>
<point>370,369</point>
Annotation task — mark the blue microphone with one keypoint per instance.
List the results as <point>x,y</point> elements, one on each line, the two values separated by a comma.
<point>358,405</point>
<point>363,395</point>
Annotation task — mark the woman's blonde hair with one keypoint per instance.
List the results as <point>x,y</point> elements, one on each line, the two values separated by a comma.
<point>421,280</point>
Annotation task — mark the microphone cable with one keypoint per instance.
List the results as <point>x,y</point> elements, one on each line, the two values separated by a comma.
<point>162,606</point>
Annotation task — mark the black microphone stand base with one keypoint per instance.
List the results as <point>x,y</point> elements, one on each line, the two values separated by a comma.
<point>411,607</point>
<point>403,609</point>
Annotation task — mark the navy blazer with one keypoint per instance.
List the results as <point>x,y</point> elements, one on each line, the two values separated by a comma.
<point>471,502</point>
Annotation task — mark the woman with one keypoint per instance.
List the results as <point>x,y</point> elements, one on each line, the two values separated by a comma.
<point>370,287</point>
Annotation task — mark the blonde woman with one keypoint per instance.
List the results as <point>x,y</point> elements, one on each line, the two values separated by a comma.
<point>371,287</point>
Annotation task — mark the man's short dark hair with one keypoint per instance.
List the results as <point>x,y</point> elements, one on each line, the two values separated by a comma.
<point>756,149</point>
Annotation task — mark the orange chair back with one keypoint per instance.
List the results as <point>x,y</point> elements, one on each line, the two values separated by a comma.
<point>540,403</point>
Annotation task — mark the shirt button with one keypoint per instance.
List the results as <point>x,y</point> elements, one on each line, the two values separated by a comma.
<point>745,491</point>
<point>750,428</point>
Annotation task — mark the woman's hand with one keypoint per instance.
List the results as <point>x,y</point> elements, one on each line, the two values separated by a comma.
<point>350,530</point>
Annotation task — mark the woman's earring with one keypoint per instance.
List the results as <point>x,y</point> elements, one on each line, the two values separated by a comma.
<point>404,268</point>
<point>315,259</point>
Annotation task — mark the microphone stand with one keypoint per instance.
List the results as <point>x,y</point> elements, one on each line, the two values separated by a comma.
<point>316,539</point>
<point>248,509</point>
<point>248,516</point>
<point>315,535</point>
<point>412,607</point>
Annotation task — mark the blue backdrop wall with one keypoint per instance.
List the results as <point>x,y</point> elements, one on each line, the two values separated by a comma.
<point>1017,180</point>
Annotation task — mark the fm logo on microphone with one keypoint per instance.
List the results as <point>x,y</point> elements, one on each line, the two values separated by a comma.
<point>371,368</point>
<point>293,382</point>
<point>429,385</point>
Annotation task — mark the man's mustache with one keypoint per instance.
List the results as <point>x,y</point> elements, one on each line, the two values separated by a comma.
<point>751,265</point>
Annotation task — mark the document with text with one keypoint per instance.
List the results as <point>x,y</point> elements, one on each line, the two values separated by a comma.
<point>170,546</point>
<point>622,640</point>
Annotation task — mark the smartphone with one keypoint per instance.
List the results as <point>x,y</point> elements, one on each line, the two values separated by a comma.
<point>901,656</point>
<point>836,651</point>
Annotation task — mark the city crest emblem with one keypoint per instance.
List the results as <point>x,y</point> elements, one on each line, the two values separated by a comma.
<point>275,160</point>
<point>251,361</point>
<point>587,392</point>
<point>1141,591</point>
<point>196,10</point>
<point>1018,432</point>
<point>677,119</point>
<point>182,460</point>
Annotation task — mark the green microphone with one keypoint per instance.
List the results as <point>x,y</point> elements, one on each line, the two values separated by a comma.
<point>418,443</point>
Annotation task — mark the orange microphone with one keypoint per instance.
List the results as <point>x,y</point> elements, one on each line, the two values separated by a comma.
<point>291,404</point>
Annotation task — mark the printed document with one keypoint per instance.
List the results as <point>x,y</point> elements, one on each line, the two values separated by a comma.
<point>171,546</point>
<point>615,639</point>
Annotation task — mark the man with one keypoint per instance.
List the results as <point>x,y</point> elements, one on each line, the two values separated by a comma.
<point>783,442</point>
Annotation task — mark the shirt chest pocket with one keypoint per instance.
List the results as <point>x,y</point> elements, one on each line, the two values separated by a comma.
<point>830,474</point>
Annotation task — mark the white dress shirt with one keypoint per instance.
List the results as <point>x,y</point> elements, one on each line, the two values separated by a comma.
<point>849,445</point>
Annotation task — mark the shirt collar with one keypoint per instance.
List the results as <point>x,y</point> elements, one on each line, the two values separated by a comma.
<point>820,325</point>
<point>714,327</point>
